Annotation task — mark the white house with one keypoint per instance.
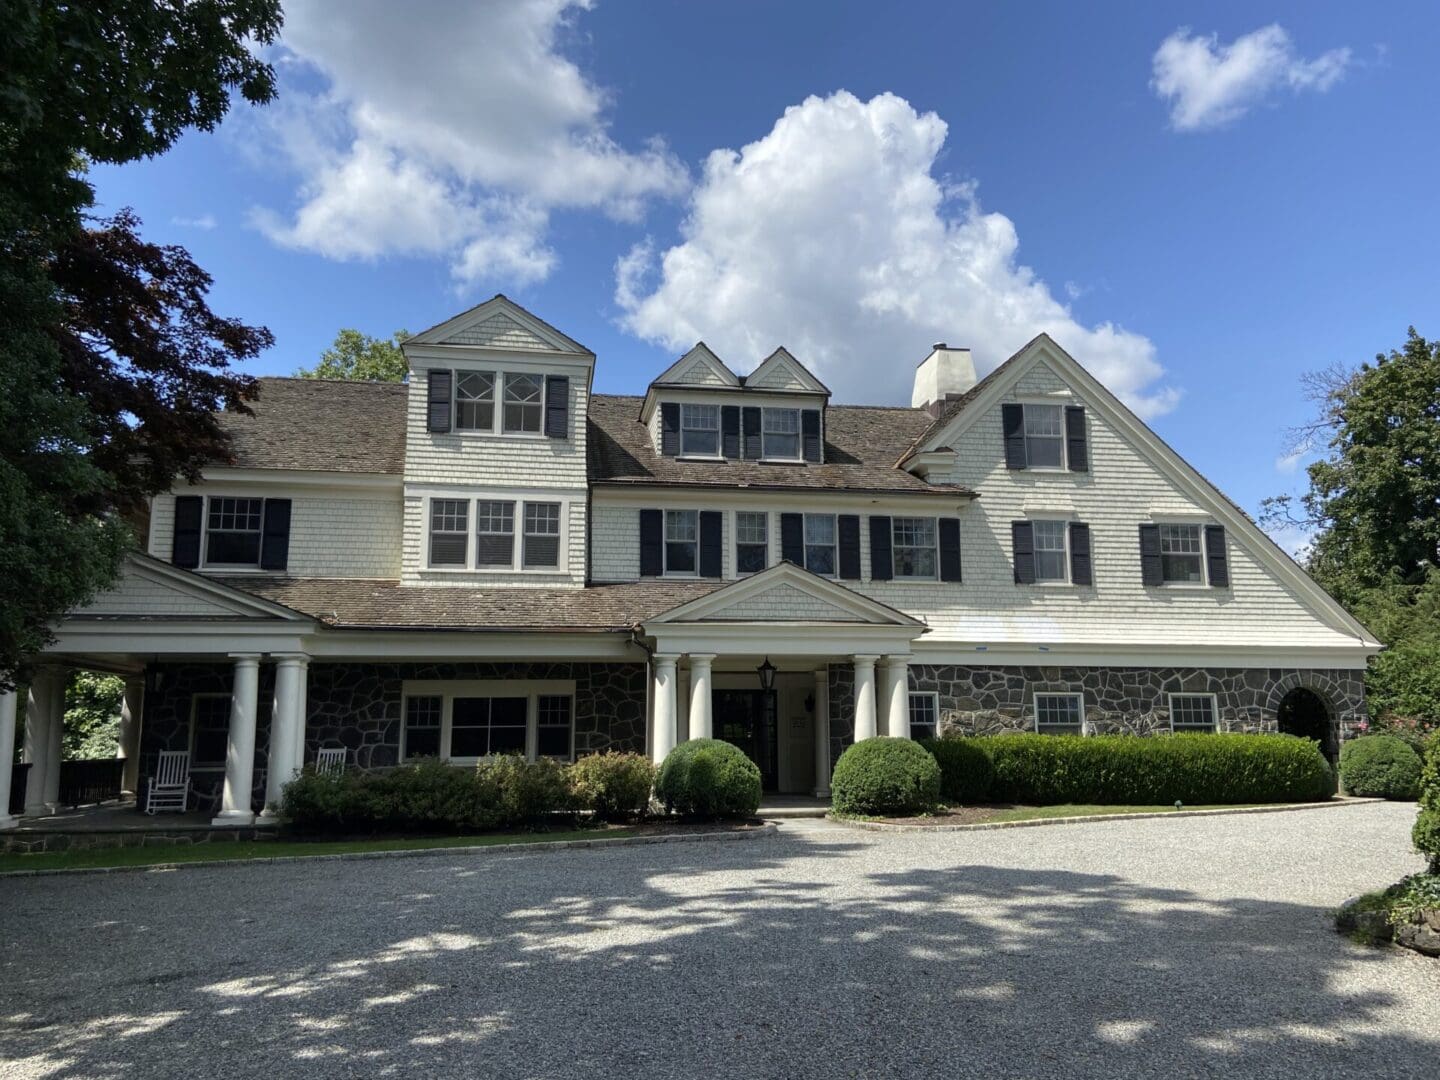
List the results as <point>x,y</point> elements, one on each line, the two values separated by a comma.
<point>490,558</point>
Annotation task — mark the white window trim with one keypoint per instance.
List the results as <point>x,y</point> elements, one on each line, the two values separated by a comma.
<point>805,544</point>
<point>1064,466</point>
<point>1073,695</point>
<point>665,542</point>
<point>455,378</point>
<point>1195,523</point>
<point>194,716</point>
<point>517,550</point>
<point>735,543</point>
<point>1214,710</point>
<point>1065,582</point>
<point>934,697</point>
<point>497,414</point>
<point>243,567</point>
<point>449,690</point>
<point>765,454</point>
<point>719,454</point>
<point>896,575</point>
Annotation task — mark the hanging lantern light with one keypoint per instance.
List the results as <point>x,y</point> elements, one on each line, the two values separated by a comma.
<point>766,671</point>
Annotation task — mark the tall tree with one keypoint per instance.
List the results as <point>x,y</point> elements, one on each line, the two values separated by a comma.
<point>353,355</point>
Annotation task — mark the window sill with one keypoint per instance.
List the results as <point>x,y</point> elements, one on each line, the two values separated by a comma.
<point>709,458</point>
<point>467,434</point>
<point>549,571</point>
<point>238,568</point>
<point>1199,586</point>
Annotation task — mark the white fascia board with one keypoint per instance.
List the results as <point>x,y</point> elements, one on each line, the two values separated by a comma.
<point>754,396</point>
<point>279,481</point>
<point>498,304</point>
<point>480,357</point>
<point>1102,655</point>
<point>179,639</point>
<point>782,358</point>
<point>341,645</point>
<point>819,500</point>
<point>834,641</point>
<point>244,604</point>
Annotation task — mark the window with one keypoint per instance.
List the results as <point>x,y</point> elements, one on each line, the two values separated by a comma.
<point>523,396</point>
<point>914,547</point>
<point>232,532</point>
<point>780,434</point>
<point>552,725</point>
<point>542,535</point>
<point>468,720</point>
<point>1050,561</point>
<point>924,715</point>
<point>1181,561</point>
<point>475,401</point>
<point>483,726</point>
<point>494,533</point>
<point>700,430</point>
<point>682,532</point>
<point>422,726</point>
<point>1192,712</point>
<point>752,542</point>
<point>820,544</point>
<point>1044,436</point>
<point>1060,714</point>
<point>448,531</point>
<point>209,730</point>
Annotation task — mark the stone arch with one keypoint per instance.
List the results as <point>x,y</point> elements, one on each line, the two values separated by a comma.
<point>1308,704</point>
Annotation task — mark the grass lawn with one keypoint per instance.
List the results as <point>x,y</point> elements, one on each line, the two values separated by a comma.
<point>269,849</point>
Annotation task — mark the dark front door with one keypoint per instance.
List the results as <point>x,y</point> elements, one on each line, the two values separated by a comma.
<point>746,718</point>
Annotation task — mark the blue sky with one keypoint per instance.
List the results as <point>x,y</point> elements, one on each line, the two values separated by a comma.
<point>1200,201</point>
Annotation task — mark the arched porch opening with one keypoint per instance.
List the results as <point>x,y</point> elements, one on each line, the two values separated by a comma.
<point>1306,713</point>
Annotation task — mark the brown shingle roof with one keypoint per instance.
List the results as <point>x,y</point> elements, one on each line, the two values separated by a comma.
<point>321,424</point>
<point>862,444</point>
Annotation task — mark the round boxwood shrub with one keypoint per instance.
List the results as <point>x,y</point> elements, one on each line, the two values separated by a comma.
<point>1427,828</point>
<point>966,771</point>
<point>709,778</point>
<point>1380,766</point>
<point>886,777</point>
<point>615,786</point>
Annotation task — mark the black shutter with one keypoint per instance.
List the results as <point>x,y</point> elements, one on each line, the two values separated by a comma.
<point>438,390</point>
<point>1022,542</point>
<point>1151,571</point>
<point>750,425</point>
<point>1216,556</point>
<point>949,549</point>
<point>670,429</point>
<point>882,565</point>
<point>810,430</point>
<point>185,544</point>
<point>1077,450</point>
<point>652,543</point>
<point>557,406</point>
<point>275,535</point>
<point>849,536</point>
<point>710,544</point>
<point>792,537</point>
<point>730,431</point>
<point>1012,420</point>
<point>1082,569</point>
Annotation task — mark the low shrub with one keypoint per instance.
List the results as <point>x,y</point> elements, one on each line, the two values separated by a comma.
<point>1380,766</point>
<point>616,787</point>
<point>966,771</point>
<point>528,790</point>
<point>709,778</point>
<point>1157,770</point>
<point>886,776</point>
<point>1427,828</point>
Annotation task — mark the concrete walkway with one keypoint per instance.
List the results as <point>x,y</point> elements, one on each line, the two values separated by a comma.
<point>1189,947</point>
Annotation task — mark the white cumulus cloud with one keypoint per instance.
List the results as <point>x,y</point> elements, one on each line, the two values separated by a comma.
<point>1208,84</point>
<point>452,130</point>
<point>834,236</point>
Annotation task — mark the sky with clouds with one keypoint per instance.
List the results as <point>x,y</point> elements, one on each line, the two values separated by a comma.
<point>1200,202</point>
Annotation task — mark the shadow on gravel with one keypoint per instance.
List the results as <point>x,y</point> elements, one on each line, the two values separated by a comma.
<point>777,957</point>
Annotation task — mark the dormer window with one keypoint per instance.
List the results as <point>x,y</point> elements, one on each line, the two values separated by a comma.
<point>700,430</point>
<point>524,403</point>
<point>780,434</point>
<point>475,401</point>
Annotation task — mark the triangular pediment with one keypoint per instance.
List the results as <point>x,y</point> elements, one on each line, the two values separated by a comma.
<point>781,371</point>
<point>785,594</point>
<point>152,590</point>
<point>500,324</point>
<point>699,367</point>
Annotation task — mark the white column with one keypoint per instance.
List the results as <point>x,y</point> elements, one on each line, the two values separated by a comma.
<point>702,719</point>
<point>131,709</point>
<point>897,696</point>
<point>822,732</point>
<point>285,717</point>
<point>55,700</point>
<point>7,755</point>
<point>664,706</point>
<point>240,750</point>
<point>302,711</point>
<point>682,706</point>
<point>37,743</point>
<point>865,727</point>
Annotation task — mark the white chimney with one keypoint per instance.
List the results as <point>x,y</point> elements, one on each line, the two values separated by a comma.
<point>944,374</point>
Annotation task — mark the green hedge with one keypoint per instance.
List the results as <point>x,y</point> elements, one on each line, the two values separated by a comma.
<point>614,786</point>
<point>1427,827</point>
<point>1380,766</point>
<point>966,771</point>
<point>709,778</point>
<point>1045,770</point>
<point>887,777</point>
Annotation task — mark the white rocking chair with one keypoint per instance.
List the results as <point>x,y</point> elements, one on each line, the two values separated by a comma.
<point>170,786</point>
<point>330,760</point>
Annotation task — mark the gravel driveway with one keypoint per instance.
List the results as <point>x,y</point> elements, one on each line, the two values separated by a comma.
<point>1190,947</point>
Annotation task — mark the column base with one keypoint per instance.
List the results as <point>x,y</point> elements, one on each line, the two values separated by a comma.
<point>235,818</point>
<point>8,821</point>
<point>268,816</point>
<point>37,810</point>
<point>821,793</point>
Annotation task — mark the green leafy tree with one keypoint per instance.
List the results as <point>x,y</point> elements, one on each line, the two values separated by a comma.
<point>92,716</point>
<point>354,355</point>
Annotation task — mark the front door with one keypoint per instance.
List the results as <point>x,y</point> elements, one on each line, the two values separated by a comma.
<point>746,718</point>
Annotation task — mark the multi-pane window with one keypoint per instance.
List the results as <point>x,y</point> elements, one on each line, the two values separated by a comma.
<point>752,541</point>
<point>475,401</point>
<point>552,725</point>
<point>1192,712</point>
<point>915,549</point>
<point>924,715</point>
<point>1181,559</point>
<point>1050,561</point>
<point>494,533</point>
<point>448,532</point>
<point>210,731</point>
<point>542,535</point>
<point>780,434</point>
<point>820,544</point>
<point>1059,714</point>
<point>682,534</point>
<point>524,395</point>
<point>1044,436</point>
<point>232,531</point>
<point>481,726</point>
<point>700,430</point>
<point>465,721</point>
<point>422,726</point>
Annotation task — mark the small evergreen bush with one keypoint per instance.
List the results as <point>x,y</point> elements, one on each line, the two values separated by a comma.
<point>709,778</point>
<point>886,777</point>
<point>1380,766</point>
<point>966,771</point>
<point>1427,828</point>
<point>615,786</point>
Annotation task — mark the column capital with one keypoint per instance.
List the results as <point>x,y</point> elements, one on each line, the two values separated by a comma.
<point>701,657</point>
<point>291,659</point>
<point>244,659</point>
<point>897,659</point>
<point>865,659</point>
<point>666,659</point>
